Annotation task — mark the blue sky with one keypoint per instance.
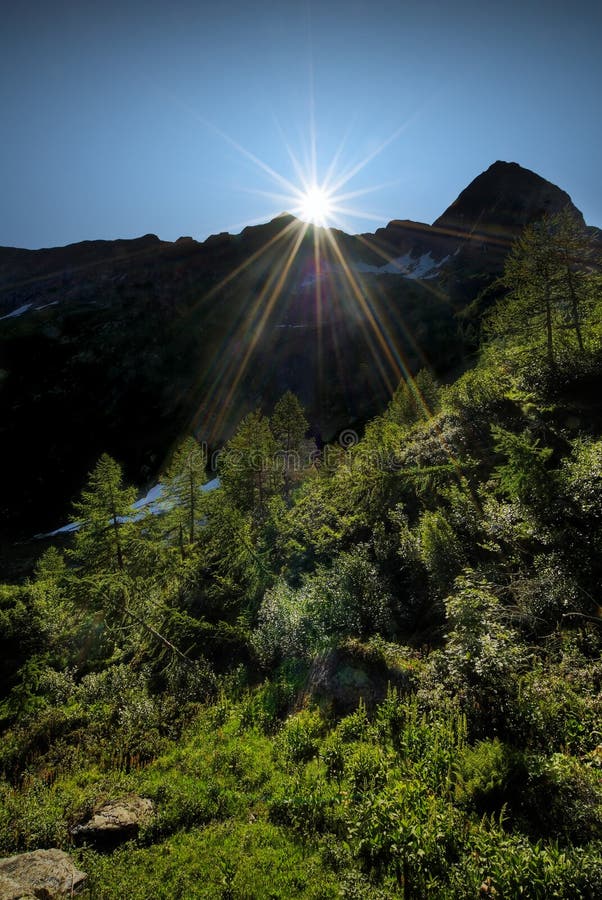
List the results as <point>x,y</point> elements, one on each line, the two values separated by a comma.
<point>114,115</point>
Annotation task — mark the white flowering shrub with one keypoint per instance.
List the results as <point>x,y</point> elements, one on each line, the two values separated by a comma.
<point>582,476</point>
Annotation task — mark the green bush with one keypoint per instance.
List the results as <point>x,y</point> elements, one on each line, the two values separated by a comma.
<point>300,737</point>
<point>490,775</point>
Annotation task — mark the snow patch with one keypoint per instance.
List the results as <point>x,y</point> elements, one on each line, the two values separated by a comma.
<point>46,305</point>
<point>66,529</point>
<point>407,266</point>
<point>410,267</point>
<point>17,312</point>
<point>154,502</point>
<point>364,267</point>
<point>153,495</point>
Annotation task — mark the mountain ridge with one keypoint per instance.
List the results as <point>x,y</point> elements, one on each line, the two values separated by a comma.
<point>120,346</point>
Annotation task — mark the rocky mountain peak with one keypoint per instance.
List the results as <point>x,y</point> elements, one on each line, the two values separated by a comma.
<point>504,199</point>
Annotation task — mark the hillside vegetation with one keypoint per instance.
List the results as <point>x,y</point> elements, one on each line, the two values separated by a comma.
<point>368,672</point>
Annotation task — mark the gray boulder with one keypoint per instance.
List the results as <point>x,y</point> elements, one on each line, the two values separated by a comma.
<point>42,874</point>
<point>114,823</point>
<point>339,678</point>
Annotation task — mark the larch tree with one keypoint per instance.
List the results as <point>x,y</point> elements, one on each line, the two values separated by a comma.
<point>548,279</point>
<point>414,399</point>
<point>104,515</point>
<point>248,465</point>
<point>289,427</point>
<point>184,481</point>
<point>527,313</point>
<point>573,250</point>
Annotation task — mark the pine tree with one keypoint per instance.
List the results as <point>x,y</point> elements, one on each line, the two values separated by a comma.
<point>104,514</point>
<point>184,480</point>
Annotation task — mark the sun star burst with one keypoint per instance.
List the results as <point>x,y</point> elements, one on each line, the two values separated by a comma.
<point>316,206</point>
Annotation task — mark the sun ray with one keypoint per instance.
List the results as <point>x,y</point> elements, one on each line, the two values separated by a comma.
<point>258,329</point>
<point>299,171</point>
<point>249,261</point>
<point>335,159</point>
<point>354,213</point>
<point>312,108</point>
<point>229,368</point>
<point>226,362</point>
<point>280,179</point>
<point>248,324</point>
<point>364,306</point>
<point>354,170</point>
<point>361,192</point>
<point>221,361</point>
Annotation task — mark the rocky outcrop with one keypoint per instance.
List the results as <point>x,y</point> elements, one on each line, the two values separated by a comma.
<point>342,677</point>
<point>43,874</point>
<point>114,823</point>
<point>12,890</point>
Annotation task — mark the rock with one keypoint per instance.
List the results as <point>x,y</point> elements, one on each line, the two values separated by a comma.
<point>12,890</point>
<point>341,677</point>
<point>43,874</point>
<point>114,822</point>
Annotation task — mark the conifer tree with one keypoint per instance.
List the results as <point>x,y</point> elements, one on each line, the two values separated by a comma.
<point>289,427</point>
<point>530,274</point>
<point>548,281</point>
<point>573,250</point>
<point>248,466</point>
<point>184,480</point>
<point>289,424</point>
<point>104,514</point>
<point>414,399</point>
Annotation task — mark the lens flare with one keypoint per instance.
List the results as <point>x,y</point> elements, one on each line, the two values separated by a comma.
<point>316,206</point>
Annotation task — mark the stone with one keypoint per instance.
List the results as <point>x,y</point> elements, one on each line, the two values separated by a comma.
<point>12,890</point>
<point>342,677</point>
<point>42,874</point>
<point>114,822</point>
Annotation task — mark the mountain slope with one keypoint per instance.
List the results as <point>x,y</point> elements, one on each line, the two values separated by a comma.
<point>123,345</point>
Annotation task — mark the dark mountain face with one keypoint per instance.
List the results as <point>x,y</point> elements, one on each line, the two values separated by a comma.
<point>477,230</point>
<point>502,200</point>
<point>125,345</point>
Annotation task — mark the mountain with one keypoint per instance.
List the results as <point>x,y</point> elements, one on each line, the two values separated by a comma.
<point>501,201</point>
<point>124,345</point>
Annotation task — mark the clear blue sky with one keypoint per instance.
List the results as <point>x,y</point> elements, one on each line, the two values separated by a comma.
<point>112,112</point>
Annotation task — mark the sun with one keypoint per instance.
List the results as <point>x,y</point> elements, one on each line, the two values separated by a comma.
<point>316,206</point>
